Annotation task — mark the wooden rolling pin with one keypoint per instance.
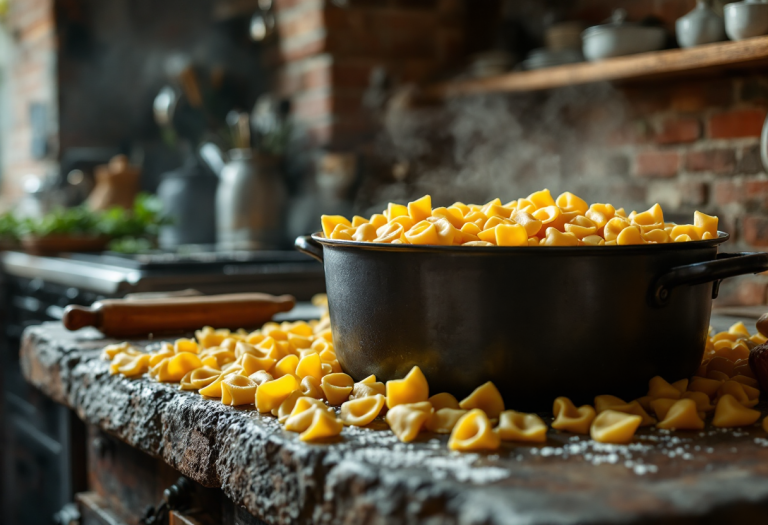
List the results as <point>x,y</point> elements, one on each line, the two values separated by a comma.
<point>135,317</point>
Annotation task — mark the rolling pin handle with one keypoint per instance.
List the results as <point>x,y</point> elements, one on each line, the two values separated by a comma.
<point>76,317</point>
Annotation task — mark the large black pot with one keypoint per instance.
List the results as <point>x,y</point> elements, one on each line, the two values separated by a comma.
<point>539,322</point>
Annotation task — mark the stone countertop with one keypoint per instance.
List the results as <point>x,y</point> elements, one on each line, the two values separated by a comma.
<point>367,476</point>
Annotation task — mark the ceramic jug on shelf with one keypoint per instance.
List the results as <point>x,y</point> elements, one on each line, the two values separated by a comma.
<point>700,26</point>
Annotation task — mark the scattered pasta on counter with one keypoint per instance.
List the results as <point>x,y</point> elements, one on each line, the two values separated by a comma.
<point>290,371</point>
<point>537,220</point>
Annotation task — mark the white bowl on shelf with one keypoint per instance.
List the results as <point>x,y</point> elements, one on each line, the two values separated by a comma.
<point>746,19</point>
<point>620,38</point>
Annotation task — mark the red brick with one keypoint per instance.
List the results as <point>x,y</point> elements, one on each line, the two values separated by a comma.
<point>748,290</point>
<point>755,230</point>
<point>737,124</point>
<point>697,96</point>
<point>756,188</point>
<point>726,192</point>
<point>720,161</point>
<point>657,164</point>
<point>693,192</point>
<point>679,130</point>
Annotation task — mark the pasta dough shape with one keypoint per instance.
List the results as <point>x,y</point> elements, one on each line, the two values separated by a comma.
<point>237,390</point>
<point>706,223</point>
<point>603,403</point>
<point>411,389</point>
<point>485,397</point>
<point>252,364</point>
<point>682,415</point>
<point>511,235</point>
<point>681,385</point>
<point>730,413</point>
<point>173,369</point>
<point>444,400</point>
<point>721,364</point>
<point>473,432</point>
<point>324,425</point>
<point>337,388</point>
<point>570,418</point>
<point>368,387</point>
<point>283,412</point>
<point>360,412</point>
<point>701,399</point>
<point>738,391</point>
<point>420,209</point>
<point>111,351</point>
<point>199,378</point>
<point>262,376</point>
<point>214,389</point>
<point>443,420</point>
<point>286,366</point>
<point>747,381</point>
<point>309,365</point>
<point>208,337</point>
<point>658,387</point>
<point>517,426</point>
<point>310,387</point>
<point>704,385</point>
<point>186,345</point>
<point>271,394</point>
<point>130,365</point>
<point>661,406</point>
<point>407,420</point>
<point>614,427</point>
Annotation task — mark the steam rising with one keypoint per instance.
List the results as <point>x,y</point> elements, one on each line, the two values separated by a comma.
<point>473,149</point>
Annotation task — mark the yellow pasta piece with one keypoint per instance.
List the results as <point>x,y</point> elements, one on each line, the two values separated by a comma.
<point>657,236</point>
<point>739,392</point>
<point>368,387</point>
<point>283,412</point>
<point>721,364</point>
<point>323,425</point>
<point>746,381</point>
<point>614,227</point>
<point>271,394</point>
<point>337,388</point>
<point>569,202</point>
<point>423,233</point>
<point>452,216</point>
<point>199,378</point>
<point>473,432</point>
<point>237,390</point>
<point>730,413</point>
<point>310,387</point>
<point>526,220</point>
<point>682,415</point>
<point>603,403</point>
<point>179,365</point>
<point>186,345</point>
<point>556,238</point>
<point>704,385</point>
<point>681,385</point>
<point>593,240</point>
<point>208,337</point>
<point>157,357</point>
<point>420,209</point>
<point>511,235</point>
<point>487,398</point>
<point>614,427</point>
<point>360,412</point>
<point>286,366</point>
<point>581,227</point>
<point>517,426</point>
<point>662,405</point>
<point>705,223</point>
<point>135,365</point>
<point>547,215</point>
<point>358,221</point>
<point>444,400</point>
<point>252,364</point>
<point>262,376</point>
<point>600,214</point>
<point>703,403</point>
<point>443,420</point>
<point>630,235</point>
<point>717,375</point>
<point>691,231</point>
<point>111,351</point>
<point>407,420</point>
<point>378,220</point>
<point>389,232</point>
<point>214,388</point>
<point>411,389</point>
<point>310,366</point>
<point>329,223</point>
<point>396,210</point>
<point>541,199</point>
<point>445,232</point>
<point>405,221</point>
<point>658,387</point>
<point>570,418</point>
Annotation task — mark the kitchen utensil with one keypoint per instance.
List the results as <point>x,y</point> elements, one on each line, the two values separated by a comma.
<point>117,184</point>
<point>619,38</point>
<point>250,202</point>
<point>700,26</point>
<point>188,195</point>
<point>140,317</point>
<point>746,19</point>
<point>538,322</point>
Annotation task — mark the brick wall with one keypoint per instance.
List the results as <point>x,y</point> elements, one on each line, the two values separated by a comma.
<point>31,79</point>
<point>327,54</point>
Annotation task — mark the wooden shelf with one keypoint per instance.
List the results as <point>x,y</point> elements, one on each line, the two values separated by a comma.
<point>702,59</point>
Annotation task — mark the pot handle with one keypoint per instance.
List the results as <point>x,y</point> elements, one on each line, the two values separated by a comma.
<point>306,244</point>
<point>726,265</point>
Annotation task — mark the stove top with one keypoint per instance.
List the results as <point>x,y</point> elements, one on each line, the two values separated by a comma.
<point>191,260</point>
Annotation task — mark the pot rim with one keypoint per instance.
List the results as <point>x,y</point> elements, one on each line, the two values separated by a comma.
<point>644,249</point>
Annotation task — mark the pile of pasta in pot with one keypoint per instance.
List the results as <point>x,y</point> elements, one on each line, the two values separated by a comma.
<point>537,220</point>
<point>290,371</point>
